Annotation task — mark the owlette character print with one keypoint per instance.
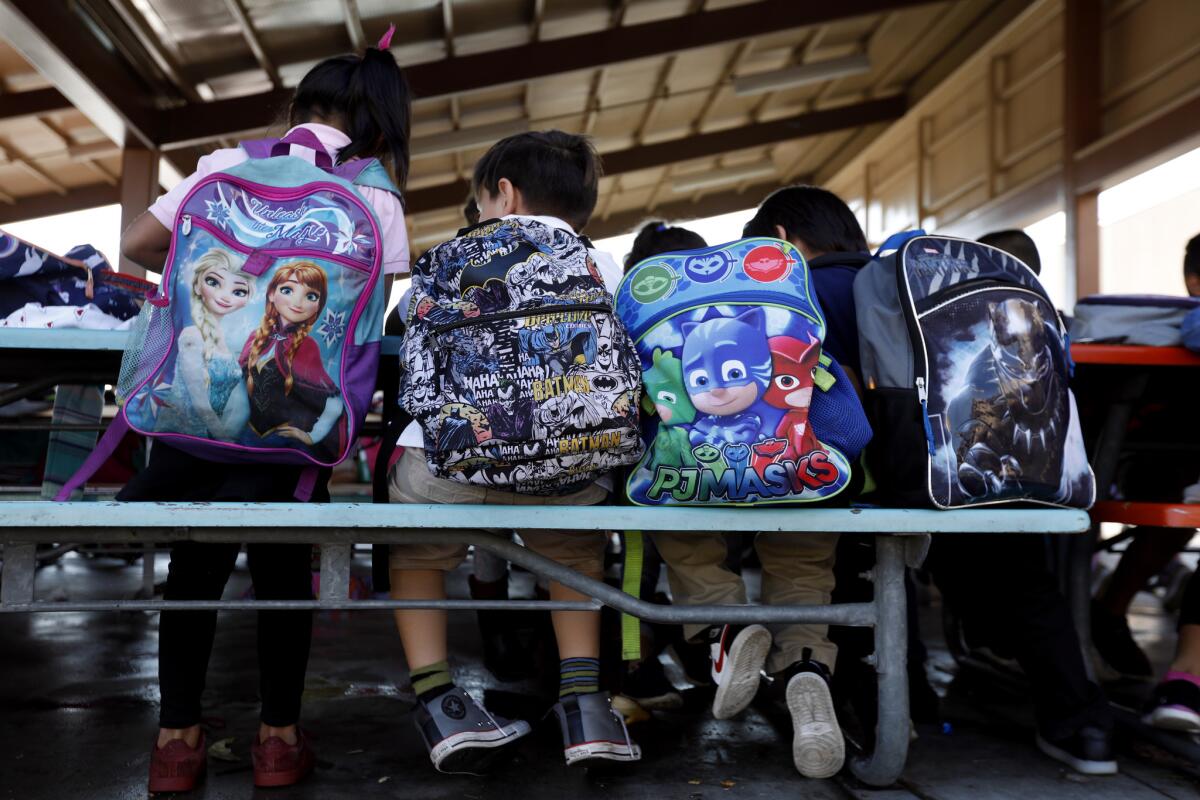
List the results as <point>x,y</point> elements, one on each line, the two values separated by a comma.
<point>293,401</point>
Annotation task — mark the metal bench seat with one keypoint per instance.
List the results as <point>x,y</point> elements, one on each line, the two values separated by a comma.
<point>902,537</point>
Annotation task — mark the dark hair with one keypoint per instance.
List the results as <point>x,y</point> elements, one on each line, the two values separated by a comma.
<point>471,211</point>
<point>1016,242</point>
<point>813,215</point>
<point>557,173</point>
<point>370,100</point>
<point>1191,256</point>
<point>659,237</point>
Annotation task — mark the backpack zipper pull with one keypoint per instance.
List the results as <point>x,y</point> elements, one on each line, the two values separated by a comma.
<point>923,397</point>
<point>187,224</point>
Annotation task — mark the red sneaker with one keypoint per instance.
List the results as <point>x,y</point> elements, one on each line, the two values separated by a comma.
<point>175,767</point>
<point>277,763</point>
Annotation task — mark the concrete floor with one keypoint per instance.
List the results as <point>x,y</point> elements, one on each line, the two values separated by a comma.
<point>78,709</point>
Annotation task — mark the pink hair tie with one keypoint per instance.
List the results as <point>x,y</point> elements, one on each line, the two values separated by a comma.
<point>385,41</point>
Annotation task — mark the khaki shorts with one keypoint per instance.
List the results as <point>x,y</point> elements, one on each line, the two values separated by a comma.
<point>410,481</point>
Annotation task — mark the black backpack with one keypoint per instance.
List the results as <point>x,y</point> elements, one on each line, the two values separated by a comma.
<point>514,364</point>
<point>966,367</point>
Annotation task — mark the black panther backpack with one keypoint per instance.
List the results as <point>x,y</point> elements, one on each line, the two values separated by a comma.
<point>514,364</point>
<point>966,366</point>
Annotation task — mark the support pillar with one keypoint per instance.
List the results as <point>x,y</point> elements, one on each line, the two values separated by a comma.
<point>139,188</point>
<point>1081,126</point>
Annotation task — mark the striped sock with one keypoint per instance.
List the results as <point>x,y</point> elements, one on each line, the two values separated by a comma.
<point>578,676</point>
<point>432,681</point>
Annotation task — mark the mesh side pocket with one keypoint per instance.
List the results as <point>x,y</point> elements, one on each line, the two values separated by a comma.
<point>150,339</point>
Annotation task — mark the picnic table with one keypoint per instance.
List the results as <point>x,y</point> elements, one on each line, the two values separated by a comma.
<point>1118,376</point>
<point>37,359</point>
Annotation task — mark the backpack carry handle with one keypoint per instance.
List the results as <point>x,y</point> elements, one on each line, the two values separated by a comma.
<point>304,138</point>
<point>897,240</point>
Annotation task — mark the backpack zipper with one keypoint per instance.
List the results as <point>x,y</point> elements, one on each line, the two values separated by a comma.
<point>186,228</point>
<point>923,397</point>
<point>520,312</point>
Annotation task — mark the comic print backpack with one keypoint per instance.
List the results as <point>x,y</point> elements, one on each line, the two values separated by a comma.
<point>742,406</point>
<point>966,365</point>
<point>514,364</point>
<point>262,344</point>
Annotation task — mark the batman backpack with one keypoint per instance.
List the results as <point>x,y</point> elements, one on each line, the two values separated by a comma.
<point>743,406</point>
<point>514,363</point>
<point>966,365</point>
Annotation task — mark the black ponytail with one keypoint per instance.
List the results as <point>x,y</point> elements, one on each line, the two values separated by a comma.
<point>370,100</point>
<point>659,237</point>
<point>816,216</point>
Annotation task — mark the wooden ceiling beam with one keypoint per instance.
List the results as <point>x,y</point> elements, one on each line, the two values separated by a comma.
<point>448,26</point>
<point>682,211</point>
<point>32,104</point>
<point>238,11</point>
<point>704,145</point>
<point>205,121</point>
<point>155,47</point>
<point>354,26</point>
<point>44,205</point>
<point>63,49</point>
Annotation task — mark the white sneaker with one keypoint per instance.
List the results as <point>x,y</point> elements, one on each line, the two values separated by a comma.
<point>737,662</point>
<point>818,749</point>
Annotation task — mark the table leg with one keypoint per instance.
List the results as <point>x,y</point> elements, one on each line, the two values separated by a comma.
<point>1080,548</point>
<point>883,766</point>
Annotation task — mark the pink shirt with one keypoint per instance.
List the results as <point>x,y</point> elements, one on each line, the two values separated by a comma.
<point>387,205</point>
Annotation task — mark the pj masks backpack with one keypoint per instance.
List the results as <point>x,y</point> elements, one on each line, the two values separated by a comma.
<point>742,407</point>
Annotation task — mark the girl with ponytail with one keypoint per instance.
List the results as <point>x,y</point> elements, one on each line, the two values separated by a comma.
<point>353,107</point>
<point>291,395</point>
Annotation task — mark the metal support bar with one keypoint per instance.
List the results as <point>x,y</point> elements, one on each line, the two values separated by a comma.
<point>16,582</point>
<point>33,385</point>
<point>883,766</point>
<point>335,573</point>
<point>853,614</point>
<point>148,558</point>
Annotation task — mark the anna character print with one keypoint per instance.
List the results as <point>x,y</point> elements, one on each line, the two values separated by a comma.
<point>293,401</point>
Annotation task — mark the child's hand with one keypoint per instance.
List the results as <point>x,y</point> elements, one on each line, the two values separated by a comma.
<point>295,433</point>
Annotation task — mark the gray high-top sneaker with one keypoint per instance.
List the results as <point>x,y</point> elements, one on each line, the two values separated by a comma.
<point>462,736</point>
<point>593,731</point>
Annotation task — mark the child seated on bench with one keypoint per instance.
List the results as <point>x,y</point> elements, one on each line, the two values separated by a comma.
<point>796,569</point>
<point>551,177</point>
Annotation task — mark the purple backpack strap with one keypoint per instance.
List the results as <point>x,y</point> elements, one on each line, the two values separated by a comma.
<point>268,148</point>
<point>258,148</point>
<point>104,448</point>
<point>352,169</point>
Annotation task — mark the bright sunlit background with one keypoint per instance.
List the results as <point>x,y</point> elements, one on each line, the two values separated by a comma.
<point>1145,223</point>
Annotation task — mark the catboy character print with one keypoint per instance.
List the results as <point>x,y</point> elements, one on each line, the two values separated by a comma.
<point>729,339</point>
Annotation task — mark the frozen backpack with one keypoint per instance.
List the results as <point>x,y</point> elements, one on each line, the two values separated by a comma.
<point>966,365</point>
<point>262,343</point>
<point>743,407</point>
<point>514,363</point>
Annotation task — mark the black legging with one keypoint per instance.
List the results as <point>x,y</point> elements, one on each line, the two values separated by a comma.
<point>1189,608</point>
<point>199,572</point>
<point>1001,584</point>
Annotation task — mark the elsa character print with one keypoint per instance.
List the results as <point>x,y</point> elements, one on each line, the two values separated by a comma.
<point>292,397</point>
<point>204,399</point>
